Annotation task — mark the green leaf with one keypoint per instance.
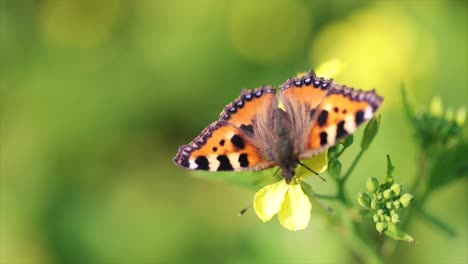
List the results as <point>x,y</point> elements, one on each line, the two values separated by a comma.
<point>449,166</point>
<point>437,223</point>
<point>370,132</point>
<point>394,232</point>
<point>409,111</point>
<point>390,170</point>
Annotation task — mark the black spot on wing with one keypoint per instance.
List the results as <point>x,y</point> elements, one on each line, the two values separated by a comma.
<point>221,142</point>
<point>202,163</point>
<point>215,149</point>
<point>359,117</point>
<point>312,113</point>
<point>247,128</point>
<point>238,142</point>
<point>244,162</point>
<point>341,131</point>
<point>224,163</point>
<point>322,119</point>
<point>323,138</point>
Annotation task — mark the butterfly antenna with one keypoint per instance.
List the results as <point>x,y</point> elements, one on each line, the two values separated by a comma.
<point>325,206</point>
<point>276,172</point>
<point>311,170</point>
<point>242,212</point>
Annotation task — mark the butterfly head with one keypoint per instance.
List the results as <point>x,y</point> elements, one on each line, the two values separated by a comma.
<point>288,172</point>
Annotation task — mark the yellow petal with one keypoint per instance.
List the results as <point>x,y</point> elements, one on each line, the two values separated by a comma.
<point>317,163</point>
<point>295,211</point>
<point>329,68</point>
<point>267,201</point>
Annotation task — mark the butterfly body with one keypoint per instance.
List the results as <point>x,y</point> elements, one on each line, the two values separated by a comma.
<point>254,132</point>
<point>283,150</point>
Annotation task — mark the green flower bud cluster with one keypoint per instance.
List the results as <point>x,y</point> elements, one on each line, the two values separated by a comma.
<point>384,200</point>
<point>437,126</point>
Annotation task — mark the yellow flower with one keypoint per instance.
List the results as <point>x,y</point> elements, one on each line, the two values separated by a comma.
<point>288,200</point>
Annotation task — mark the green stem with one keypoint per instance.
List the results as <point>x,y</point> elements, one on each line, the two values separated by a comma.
<point>357,239</point>
<point>360,244</point>
<point>353,165</point>
<point>341,194</point>
<point>354,237</point>
<point>436,222</point>
<point>326,196</point>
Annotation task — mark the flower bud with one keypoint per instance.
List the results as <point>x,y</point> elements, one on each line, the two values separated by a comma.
<point>333,152</point>
<point>436,106</point>
<point>372,184</point>
<point>379,196</point>
<point>335,168</point>
<point>376,218</point>
<point>347,141</point>
<point>370,131</point>
<point>364,200</point>
<point>387,194</point>
<point>392,212</point>
<point>387,218</point>
<point>388,205</point>
<point>396,204</point>
<point>374,204</point>
<point>396,189</point>
<point>405,199</point>
<point>395,218</point>
<point>380,212</point>
<point>381,227</point>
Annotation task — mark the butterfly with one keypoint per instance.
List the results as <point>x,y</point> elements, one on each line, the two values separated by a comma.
<point>261,129</point>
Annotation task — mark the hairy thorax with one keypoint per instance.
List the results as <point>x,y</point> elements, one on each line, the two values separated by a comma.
<point>284,152</point>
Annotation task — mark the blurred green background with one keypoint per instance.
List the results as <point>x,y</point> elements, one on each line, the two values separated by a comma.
<point>96,97</point>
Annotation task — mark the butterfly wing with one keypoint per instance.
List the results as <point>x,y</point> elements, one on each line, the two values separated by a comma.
<point>226,145</point>
<point>339,114</point>
<point>308,90</point>
<point>248,106</point>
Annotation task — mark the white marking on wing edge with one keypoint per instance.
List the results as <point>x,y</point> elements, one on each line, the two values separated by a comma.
<point>350,124</point>
<point>368,113</point>
<point>213,162</point>
<point>192,164</point>
<point>331,134</point>
<point>234,160</point>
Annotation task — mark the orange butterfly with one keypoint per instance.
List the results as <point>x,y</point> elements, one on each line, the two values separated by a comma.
<point>253,133</point>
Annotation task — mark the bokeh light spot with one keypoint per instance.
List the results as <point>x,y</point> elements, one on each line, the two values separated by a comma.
<point>380,45</point>
<point>76,23</point>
